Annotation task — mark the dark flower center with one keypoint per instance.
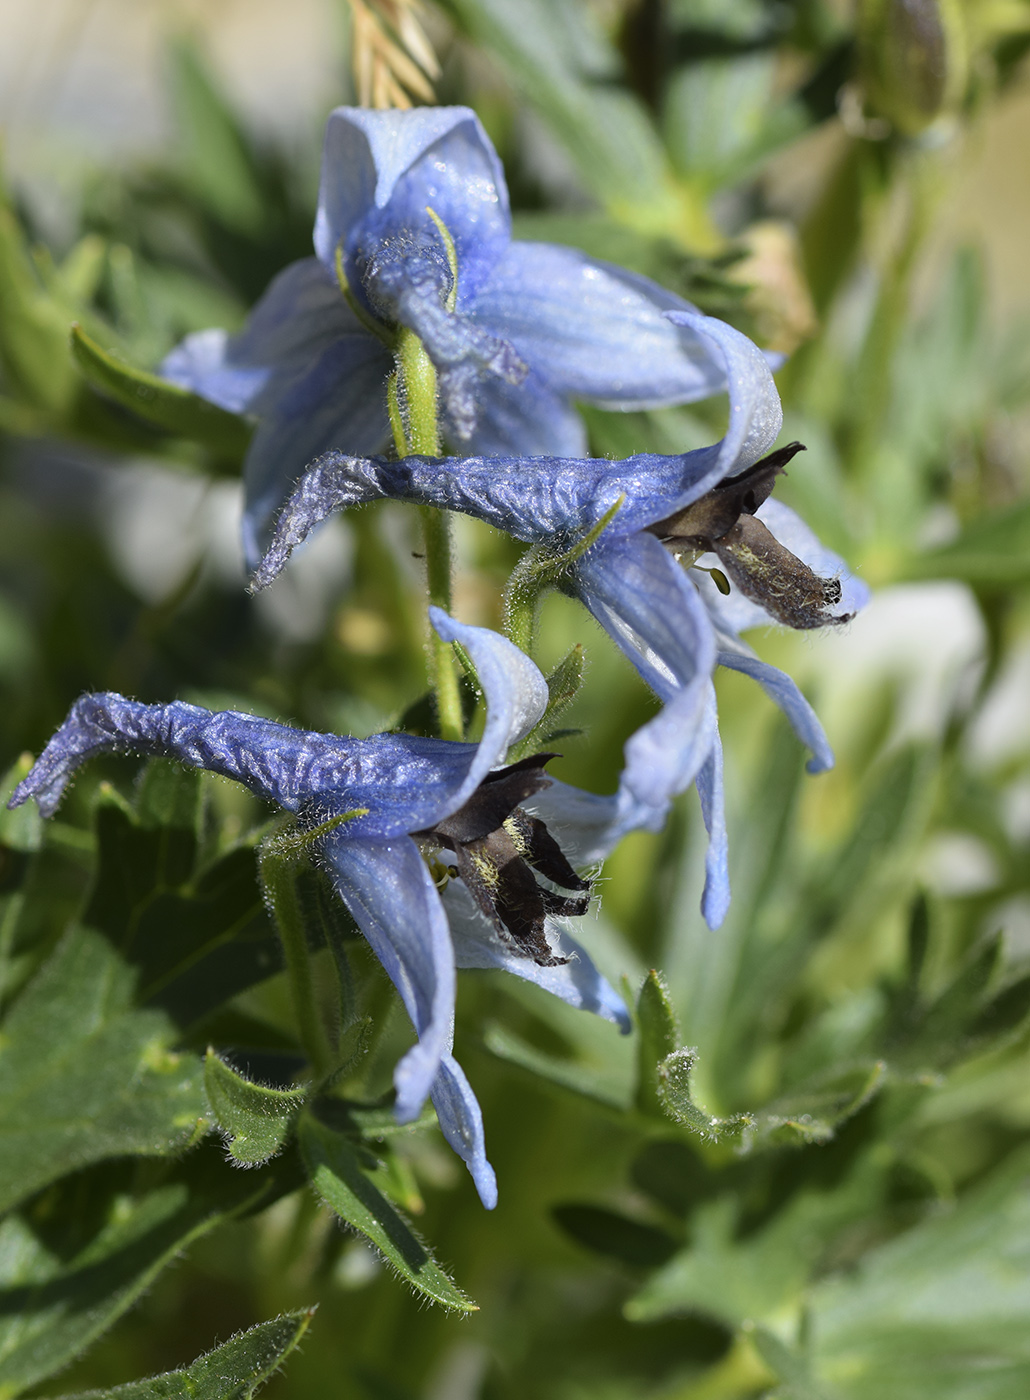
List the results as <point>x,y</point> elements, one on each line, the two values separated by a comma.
<point>724,523</point>
<point>497,847</point>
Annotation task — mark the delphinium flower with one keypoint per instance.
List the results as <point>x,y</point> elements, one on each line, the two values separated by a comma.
<point>647,544</point>
<point>393,817</point>
<point>414,230</point>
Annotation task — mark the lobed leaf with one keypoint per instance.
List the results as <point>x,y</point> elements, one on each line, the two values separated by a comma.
<point>258,1120</point>
<point>940,1312</point>
<point>85,1076</point>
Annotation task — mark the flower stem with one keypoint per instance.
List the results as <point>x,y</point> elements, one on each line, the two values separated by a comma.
<point>278,870</point>
<point>413,417</point>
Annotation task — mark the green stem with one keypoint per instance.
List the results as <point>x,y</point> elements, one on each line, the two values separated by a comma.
<point>413,416</point>
<point>540,569</point>
<point>278,870</point>
<point>522,602</point>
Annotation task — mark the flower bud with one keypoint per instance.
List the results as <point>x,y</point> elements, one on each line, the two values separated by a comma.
<point>912,56</point>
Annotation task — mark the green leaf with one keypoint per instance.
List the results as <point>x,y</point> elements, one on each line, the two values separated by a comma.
<point>659,1037</point>
<point>992,552</point>
<point>722,116</point>
<point>617,1236</point>
<point>814,1111</point>
<point>565,1074</point>
<point>162,404</point>
<point>672,1173</point>
<point>562,688</point>
<point>33,327</point>
<point>337,1177</point>
<point>234,1371</point>
<point>603,127</point>
<point>257,1119</point>
<point>758,1275</point>
<point>84,1076</point>
<point>80,1255</point>
<point>940,1313</point>
<point>674,1095</point>
<point>197,936</point>
<point>22,829</point>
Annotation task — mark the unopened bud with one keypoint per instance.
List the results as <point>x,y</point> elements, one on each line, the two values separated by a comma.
<point>912,60</point>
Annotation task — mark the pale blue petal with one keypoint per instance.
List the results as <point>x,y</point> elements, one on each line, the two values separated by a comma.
<point>755,413</point>
<point>587,826</point>
<point>595,331</point>
<point>388,889</point>
<point>275,761</point>
<point>461,1122</point>
<point>577,982</point>
<point>299,316</point>
<point>544,499</point>
<point>338,401</point>
<point>527,419</point>
<point>784,692</point>
<point>200,363</point>
<point>715,900</point>
<point>381,169</point>
<point>406,782</point>
<point>513,687</point>
<point>643,599</point>
<point>465,355</point>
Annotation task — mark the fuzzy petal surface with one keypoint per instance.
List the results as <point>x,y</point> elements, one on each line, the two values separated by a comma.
<point>549,499</point>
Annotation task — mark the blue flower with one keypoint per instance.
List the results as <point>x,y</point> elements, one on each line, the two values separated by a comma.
<point>432,807</point>
<point>625,530</point>
<point>533,325</point>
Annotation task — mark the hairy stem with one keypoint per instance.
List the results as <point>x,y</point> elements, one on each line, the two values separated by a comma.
<point>278,869</point>
<point>413,416</point>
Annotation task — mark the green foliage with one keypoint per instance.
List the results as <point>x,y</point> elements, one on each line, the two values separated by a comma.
<point>157,401</point>
<point>86,1075</point>
<point>805,1173</point>
<point>234,1371</point>
<point>62,1288</point>
<point>335,1170</point>
<point>256,1119</point>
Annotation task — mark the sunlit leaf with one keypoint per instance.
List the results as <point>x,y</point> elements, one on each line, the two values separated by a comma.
<point>159,402</point>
